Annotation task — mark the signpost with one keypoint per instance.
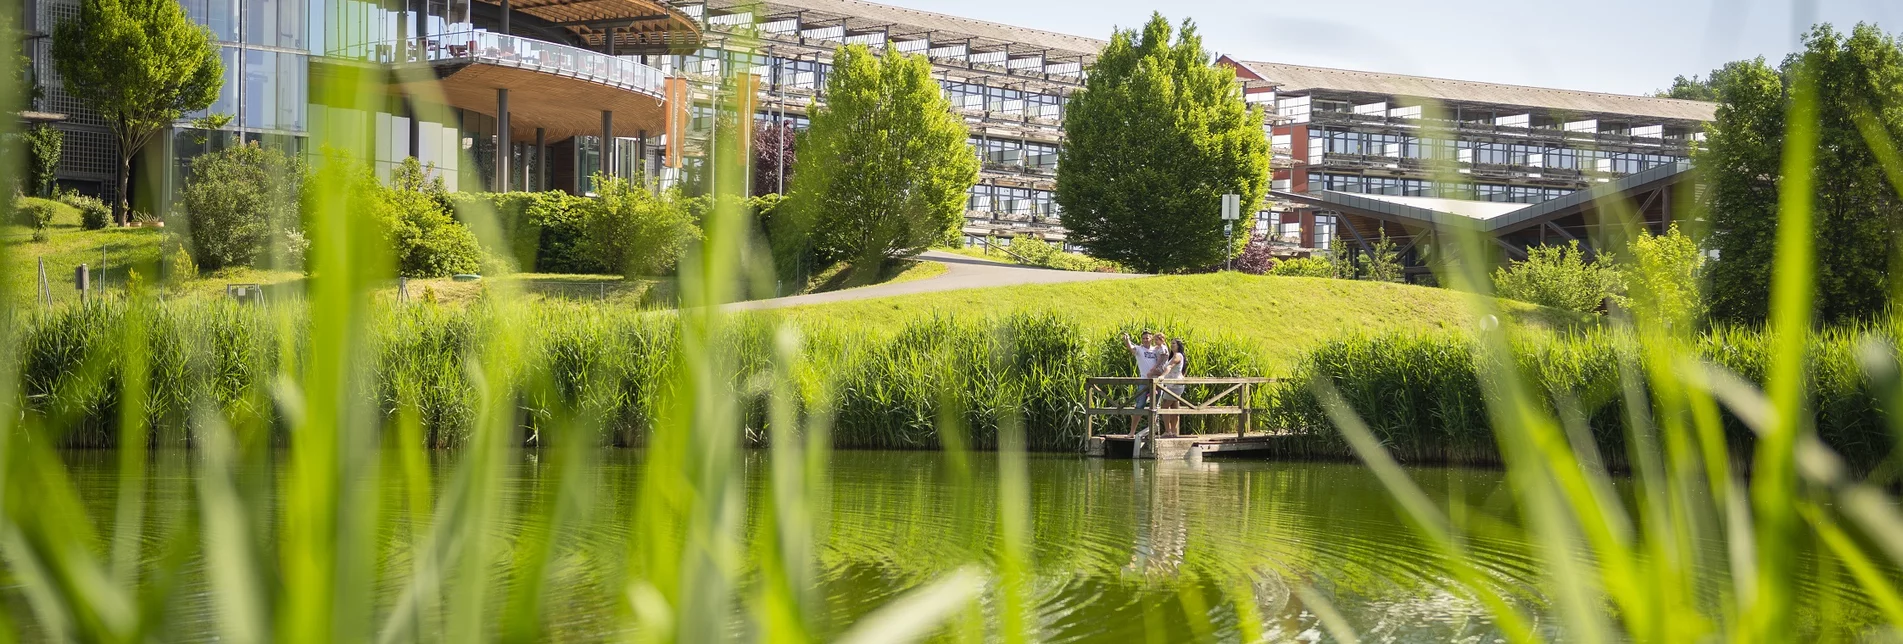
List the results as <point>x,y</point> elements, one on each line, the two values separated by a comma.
<point>1231,212</point>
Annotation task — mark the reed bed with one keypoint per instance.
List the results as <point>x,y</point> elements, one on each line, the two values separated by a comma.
<point>1420,393</point>
<point>885,389</point>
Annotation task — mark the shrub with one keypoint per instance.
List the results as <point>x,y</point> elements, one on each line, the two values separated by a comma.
<point>1255,258</point>
<point>425,239</point>
<point>180,267</point>
<point>543,230</point>
<point>1304,267</point>
<point>1037,252</point>
<point>93,213</point>
<point>240,204</point>
<point>43,144</point>
<point>1665,278</point>
<point>632,231</point>
<point>37,214</point>
<point>1560,277</point>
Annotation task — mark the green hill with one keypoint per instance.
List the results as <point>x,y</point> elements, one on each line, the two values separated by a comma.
<point>1285,315</point>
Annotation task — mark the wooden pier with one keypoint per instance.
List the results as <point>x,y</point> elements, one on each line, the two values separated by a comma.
<point>1107,396</point>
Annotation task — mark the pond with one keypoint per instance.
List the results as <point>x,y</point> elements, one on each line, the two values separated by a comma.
<point>1122,551</point>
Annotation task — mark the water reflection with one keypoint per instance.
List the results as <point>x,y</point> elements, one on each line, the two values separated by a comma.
<point>1122,550</point>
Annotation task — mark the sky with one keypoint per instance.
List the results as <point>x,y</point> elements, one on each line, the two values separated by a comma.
<point>1619,46</point>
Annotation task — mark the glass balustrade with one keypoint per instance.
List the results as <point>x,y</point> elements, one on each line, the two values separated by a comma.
<point>528,53</point>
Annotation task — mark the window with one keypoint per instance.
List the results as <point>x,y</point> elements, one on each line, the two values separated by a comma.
<point>221,16</point>
<point>274,23</point>
<point>1324,231</point>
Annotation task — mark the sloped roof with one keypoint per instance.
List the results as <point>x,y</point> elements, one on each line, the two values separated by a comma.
<point>860,14</point>
<point>1299,78</point>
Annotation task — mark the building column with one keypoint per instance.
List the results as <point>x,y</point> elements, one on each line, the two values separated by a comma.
<point>505,18</point>
<point>416,130</point>
<point>541,159</point>
<point>503,156</point>
<point>641,153</point>
<point>607,142</point>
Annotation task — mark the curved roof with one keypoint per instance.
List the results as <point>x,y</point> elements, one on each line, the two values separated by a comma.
<point>1300,78</point>
<point>635,25</point>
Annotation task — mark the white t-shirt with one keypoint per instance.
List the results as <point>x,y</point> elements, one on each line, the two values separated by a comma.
<point>1147,358</point>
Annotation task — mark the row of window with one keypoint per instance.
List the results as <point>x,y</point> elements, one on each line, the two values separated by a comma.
<point>1013,201</point>
<point>810,75</point>
<point>1400,146</point>
<point>1425,188</point>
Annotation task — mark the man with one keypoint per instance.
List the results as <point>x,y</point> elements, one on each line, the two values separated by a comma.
<point>1148,354</point>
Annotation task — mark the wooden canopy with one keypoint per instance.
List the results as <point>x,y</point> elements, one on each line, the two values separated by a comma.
<point>637,26</point>
<point>561,105</point>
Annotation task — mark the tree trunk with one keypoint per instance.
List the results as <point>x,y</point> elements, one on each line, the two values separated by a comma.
<point>122,207</point>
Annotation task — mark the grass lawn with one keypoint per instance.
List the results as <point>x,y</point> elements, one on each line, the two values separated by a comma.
<point>1284,315</point>
<point>67,246</point>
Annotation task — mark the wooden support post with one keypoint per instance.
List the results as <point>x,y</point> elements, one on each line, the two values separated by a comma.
<point>1090,403</point>
<point>1242,426</point>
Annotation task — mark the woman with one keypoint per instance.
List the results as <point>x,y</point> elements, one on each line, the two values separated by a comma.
<point>1173,370</point>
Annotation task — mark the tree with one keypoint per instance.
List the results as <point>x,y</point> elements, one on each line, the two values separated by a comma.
<point>1560,277</point>
<point>1664,279</point>
<point>1739,165</point>
<point>1858,79</point>
<point>239,202</point>
<point>885,168</point>
<point>142,65</point>
<point>1157,136</point>
<point>43,145</point>
<point>773,157</point>
<point>1691,89</point>
<point>1383,263</point>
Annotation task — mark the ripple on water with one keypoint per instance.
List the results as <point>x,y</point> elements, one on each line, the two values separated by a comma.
<point>1118,547</point>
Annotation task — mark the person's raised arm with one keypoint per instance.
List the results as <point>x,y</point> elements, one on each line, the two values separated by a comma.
<point>1127,344</point>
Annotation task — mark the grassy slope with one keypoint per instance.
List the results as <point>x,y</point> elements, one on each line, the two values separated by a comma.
<point>1285,315</point>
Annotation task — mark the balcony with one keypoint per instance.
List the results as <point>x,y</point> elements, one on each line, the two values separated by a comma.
<point>560,89</point>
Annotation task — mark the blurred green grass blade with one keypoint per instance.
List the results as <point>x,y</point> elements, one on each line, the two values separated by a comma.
<point>238,597</point>
<point>917,613</point>
<point>1331,619</point>
<point>1774,482</point>
<point>1871,577</point>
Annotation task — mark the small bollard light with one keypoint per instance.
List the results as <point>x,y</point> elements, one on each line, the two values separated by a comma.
<point>82,280</point>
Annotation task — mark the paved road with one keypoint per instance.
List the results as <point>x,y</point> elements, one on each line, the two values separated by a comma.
<point>960,272</point>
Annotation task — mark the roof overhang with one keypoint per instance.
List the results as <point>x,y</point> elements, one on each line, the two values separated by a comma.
<point>636,26</point>
<point>1531,215</point>
<point>561,106</point>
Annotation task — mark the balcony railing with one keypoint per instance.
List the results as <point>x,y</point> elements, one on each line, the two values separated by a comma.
<point>527,53</point>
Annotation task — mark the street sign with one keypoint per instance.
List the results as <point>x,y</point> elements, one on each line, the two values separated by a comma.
<point>1231,207</point>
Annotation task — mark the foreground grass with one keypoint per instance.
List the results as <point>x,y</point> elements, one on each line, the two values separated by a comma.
<point>1283,317</point>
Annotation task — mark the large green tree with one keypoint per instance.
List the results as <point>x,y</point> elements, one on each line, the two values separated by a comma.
<point>1157,136</point>
<point>885,168</point>
<point>142,65</point>
<point>1858,214</point>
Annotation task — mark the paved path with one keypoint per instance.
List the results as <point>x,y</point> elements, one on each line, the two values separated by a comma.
<point>960,272</point>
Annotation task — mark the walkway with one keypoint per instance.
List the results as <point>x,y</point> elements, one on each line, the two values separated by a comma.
<point>961,272</point>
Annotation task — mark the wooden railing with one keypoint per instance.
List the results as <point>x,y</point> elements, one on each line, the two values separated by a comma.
<point>1230,398</point>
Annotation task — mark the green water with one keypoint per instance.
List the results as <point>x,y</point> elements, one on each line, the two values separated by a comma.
<point>1123,551</point>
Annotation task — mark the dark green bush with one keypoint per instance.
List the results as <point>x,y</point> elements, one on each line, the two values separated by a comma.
<point>240,204</point>
<point>93,213</point>
<point>543,229</point>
